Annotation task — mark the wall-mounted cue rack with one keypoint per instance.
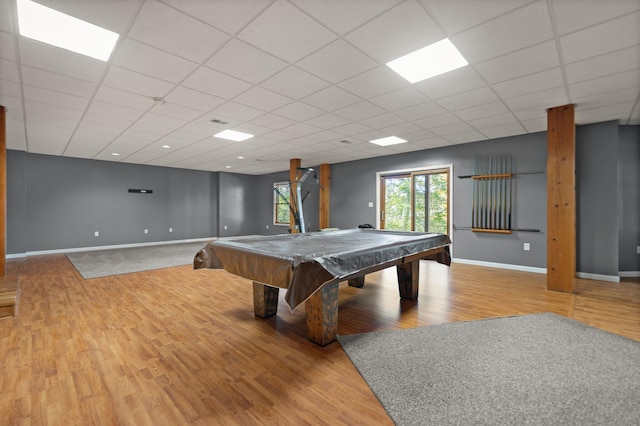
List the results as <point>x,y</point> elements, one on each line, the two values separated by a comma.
<point>491,204</point>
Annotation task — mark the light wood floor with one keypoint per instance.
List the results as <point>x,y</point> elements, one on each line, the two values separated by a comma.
<point>177,346</point>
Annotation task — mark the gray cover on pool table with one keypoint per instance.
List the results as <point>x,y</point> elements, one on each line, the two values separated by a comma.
<point>302,263</point>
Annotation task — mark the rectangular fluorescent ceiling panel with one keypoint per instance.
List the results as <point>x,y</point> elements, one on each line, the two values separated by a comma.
<point>58,29</point>
<point>232,135</point>
<point>390,140</point>
<point>435,59</point>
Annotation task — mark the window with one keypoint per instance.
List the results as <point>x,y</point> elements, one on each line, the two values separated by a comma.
<point>281,197</point>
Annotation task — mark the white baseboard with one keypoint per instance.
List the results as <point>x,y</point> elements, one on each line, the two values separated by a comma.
<point>501,265</point>
<point>629,274</point>
<point>94,248</point>
<point>598,277</point>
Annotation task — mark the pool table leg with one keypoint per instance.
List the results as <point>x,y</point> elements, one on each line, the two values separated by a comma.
<point>356,282</point>
<point>408,278</point>
<point>322,314</point>
<point>265,300</point>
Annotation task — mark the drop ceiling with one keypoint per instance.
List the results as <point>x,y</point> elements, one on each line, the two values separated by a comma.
<point>308,78</point>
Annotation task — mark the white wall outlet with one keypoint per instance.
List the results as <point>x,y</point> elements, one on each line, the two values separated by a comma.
<point>96,234</point>
<point>267,226</point>
<point>638,250</point>
<point>527,247</point>
<point>170,229</point>
<point>225,227</point>
<point>146,231</point>
<point>370,203</point>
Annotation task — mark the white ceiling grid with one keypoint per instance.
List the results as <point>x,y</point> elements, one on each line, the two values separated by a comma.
<point>308,78</point>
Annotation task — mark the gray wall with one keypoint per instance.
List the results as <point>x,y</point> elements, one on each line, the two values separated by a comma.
<point>58,203</point>
<point>629,197</point>
<point>597,198</point>
<point>238,205</point>
<point>354,186</point>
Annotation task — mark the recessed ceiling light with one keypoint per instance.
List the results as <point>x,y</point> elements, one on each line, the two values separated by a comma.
<point>241,158</point>
<point>232,135</point>
<point>435,59</point>
<point>58,29</point>
<point>227,167</point>
<point>166,146</point>
<point>390,140</point>
<point>115,154</point>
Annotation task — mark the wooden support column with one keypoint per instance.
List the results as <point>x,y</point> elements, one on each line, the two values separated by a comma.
<point>3,191</point>
<point>561,199</point>
<point>294,163</point>
<point>325,188</point>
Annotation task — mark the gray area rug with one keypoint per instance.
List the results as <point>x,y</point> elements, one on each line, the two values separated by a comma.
<point>102,263</point>
<point>540,369</point>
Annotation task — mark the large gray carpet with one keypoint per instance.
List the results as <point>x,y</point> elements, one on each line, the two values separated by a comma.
<point>102,263</point>
<point>540,369</point>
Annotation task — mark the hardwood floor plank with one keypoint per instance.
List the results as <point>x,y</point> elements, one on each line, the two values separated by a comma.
<point>182,347</point>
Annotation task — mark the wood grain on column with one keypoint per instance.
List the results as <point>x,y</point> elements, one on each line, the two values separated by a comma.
<point>561,199</point>
<point>325,182</point>
<point>294,163</point>
<point>3,191</point>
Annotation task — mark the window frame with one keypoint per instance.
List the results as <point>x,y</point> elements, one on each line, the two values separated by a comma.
<point>277,201</point>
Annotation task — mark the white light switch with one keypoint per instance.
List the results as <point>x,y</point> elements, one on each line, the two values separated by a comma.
<point>370,203</point>
<point>146,231</point>
<point>170,229</point>
<point>96,234</point>
<point>527,246</point>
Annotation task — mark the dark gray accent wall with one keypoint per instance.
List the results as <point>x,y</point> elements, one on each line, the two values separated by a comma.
<point>68,199</point>
<point>629,197</point>
<point>354,186</point>
<point>237,205</point>
<point>597,198</point>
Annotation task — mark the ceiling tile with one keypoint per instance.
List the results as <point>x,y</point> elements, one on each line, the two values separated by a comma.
<point>60,61</point>
<point>503,130</point>
<point>215,83</point>
<point>516,30</point>
<point>483,95</point>
<point>492,121</point>
<point>522,62</point>
<point>374,82</point>
<point>607,64</point>
<point>603,85</point>
<point>330,99</point>
<point>60,83</point>
<point>13,106</point>
<point>7,46</point>
<point>229,16</point>
<point>237,111</point>
<point>541,100</point>
<point>263,99</point>
<point>300,35</point>
<point>437,121</point>
<point>9,72</point>
<point>150,61</point>
<point>359,111</point>
<point>193,99</point>
<point>401,98</point>
<point>245,62</point>
<point>294,83</point>
<point>166,28</point>
<point>484,110</point>
<point>327,121</point>
<point>425,109</point>
<point>175,110</point>
<point>299,111</point>
<point>402,129</point>
<point>383,120</point>
<point>351,129</point>
<point>343,16</point>
<point>272,121</point>
<point>16,136</point>
<point>570,18</point>
<point>119,97</point>
<point>337,61</point>
<point>300,129</point>
<point>605,113</point>
<point>50,97</point>
<point>401,30</point>
<point>466,137</point>
<point>129,81</point>
<point>622,97</point>
<point>456,16</point>
<point>531,83</point>
<point>451,83</point>
<point>601,39</point>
